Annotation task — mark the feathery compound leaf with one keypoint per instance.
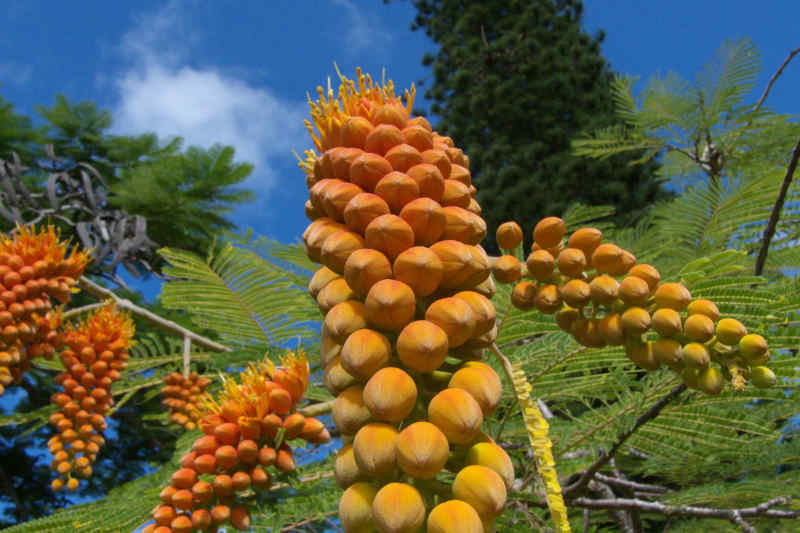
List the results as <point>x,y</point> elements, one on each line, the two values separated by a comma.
<point>238,294</point>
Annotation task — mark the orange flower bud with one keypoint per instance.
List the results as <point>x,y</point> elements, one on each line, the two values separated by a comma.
<point>482,488</point>
<point>549,232</point>
<point>455,317</point>
<point>349,410</point>
<point>523,296</point>
<point>344,319</point>
<point>398,508</point>
<point>374,449</point>
<point>703,307</point>
<point>363,209</point>
<point>492,456</point>
<point>354,131</point>
<point>390,305</point>
<point>397,189</point>
<point>367,170</point>
<point>364,268</point>
<point>672,296</point>
<point>457,414</point>
<point>430,176</point>
<point>699,328</point>
<point>355,508</point>
<point>667,322</point>
<point>418,137</point>
<point>648,273</point>
<point>463,225</point>
<point>730,331</point>
<point>634,291</point>
<point>422,450</point>
<point>419,268</point>
<point>455,194</point>
<point>335,292</point>
<point>509,235</point>
<point>338,247</point>
<point>390,395</point>
<point>604,289</point>
<point>389,234</point>
<point>540,264</point>
<point>364,352</point>
<point>586,239</point>
<point>426,219</point>
<point>507,269</point>
<point>452,516</point>
<point>482,383</point>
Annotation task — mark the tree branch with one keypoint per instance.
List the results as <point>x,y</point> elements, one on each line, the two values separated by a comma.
<point>774,78</point>
<point>736,516</point>
<point>168,325</point>
<point>648,415</point>
<point>776,210</point>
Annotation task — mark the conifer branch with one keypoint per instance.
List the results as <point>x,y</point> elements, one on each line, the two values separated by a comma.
<point>769,231</point>
<point>587,475</point>
<point>168,325</point>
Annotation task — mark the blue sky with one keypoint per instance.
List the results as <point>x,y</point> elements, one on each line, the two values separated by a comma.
<point>238,72</point>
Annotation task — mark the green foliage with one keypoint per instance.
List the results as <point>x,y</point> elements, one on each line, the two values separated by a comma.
<point>513,83</point>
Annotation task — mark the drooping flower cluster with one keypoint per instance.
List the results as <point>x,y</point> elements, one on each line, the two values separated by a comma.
<point>182,396</point>
<point>603,297</point>
<point>95,353</point>
<point>405,291</point>
<point>247,431</point>
<point>34,269</point>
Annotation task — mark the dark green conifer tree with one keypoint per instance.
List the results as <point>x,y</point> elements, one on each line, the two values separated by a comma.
<point>513,82</point>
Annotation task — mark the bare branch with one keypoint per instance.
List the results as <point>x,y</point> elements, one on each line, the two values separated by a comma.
<point>736,516</point>
<point>297,525</point>
<point>776,210</point>
<point>168,325</point>
<point>774,78</point>
<point>633,485</point>
<point>648,415</point>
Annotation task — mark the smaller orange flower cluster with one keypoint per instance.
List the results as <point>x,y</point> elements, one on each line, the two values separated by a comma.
<point>182,395</point>
<point>246,431</point>
<point>657,323</point>
<point>33,269</point>
<point>95,354</point>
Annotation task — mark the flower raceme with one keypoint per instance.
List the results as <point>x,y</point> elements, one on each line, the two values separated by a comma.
<point>405,288</point>
<point>35,269</point>
<point>182,396</point>
<point>603,297</point>
<point>94,355</point>
<point>246,429</point>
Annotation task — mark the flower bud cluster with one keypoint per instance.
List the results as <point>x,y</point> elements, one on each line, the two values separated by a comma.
<point>603,297</point>
<point>182,396</point>
<point>95,353</point>
<point>247,430</point>
<point>405,291</point>
<point>34,270</point>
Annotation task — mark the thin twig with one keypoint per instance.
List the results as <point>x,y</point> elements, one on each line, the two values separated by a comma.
<point>774,78</point>
<point>648,415</point>
<point>763,510</point>
<point>168,325</point>
<point>776,210</point>
<point>317,409</point>
<point>296,525</point>
<point>633,485</point>
<point>79,310</point>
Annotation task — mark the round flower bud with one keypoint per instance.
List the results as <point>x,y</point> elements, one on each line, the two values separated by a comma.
<point>374,449</point>
<point>349,410</point>
<point>673,296</point>
<point>457,414</point>
<point>696,355</point>
<point>710,380</point>
<point>699,328</point>
<point>419,268</point>
<point>635,321</point>
<point>455,317</point>
<point>345,469</point>
<point>549,232</point>
<point>540,264</point>
<point>604,289</point>
<point>492,456</point>
<point>634,291</point>
<point>390,304</point>
<point>398,508</point>
<point>364,268</point>
<point>422,450</point>
<point>753,347</point>
<point>667,322</point>
<point>571,262</point>
<point>648,273</point>
<point>390,395</point>
<point>509,235</point>
<point>762,377</point>
<point>482,488</point>
<point>422,346</point>
<point>586,239</point>
<point>483,384</point>
<point>355,508</point>
<point>730,331</point>
<point>454,516</point>
<point>523,296</point>
<point>426,219</point>
<point>507,269</point>
<point>576,293</point>
<point>703,307</point>
<point>365,352</point>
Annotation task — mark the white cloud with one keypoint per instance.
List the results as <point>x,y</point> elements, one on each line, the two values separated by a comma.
<point>364,32</point>
<point>160,93</point>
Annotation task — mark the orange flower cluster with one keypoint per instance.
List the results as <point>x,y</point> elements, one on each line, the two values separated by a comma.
<point>603,297</point>
<point>246,431</point>
<point>182,396</point>
<point>95,354</point>
<point>404,286</point>
<point>34,268</point>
